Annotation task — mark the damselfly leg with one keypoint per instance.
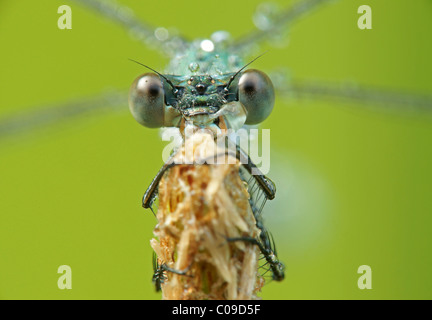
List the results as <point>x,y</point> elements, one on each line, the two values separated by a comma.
<point>159,272</point>
<point>268,187</point>
<point>151,192</point>
<point>268,249</point>
<point>265,241</point>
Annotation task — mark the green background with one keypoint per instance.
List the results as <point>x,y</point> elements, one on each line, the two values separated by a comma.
<point>354,183</point>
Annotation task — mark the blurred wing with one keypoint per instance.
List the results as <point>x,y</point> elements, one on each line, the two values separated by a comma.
<point>368,96</point>
<point>157,38</point>
<point>24,122</point>
<point>272,22</point>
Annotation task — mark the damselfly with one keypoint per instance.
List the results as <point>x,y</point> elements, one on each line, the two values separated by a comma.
<point>207,91</point>
<point>161,38</point>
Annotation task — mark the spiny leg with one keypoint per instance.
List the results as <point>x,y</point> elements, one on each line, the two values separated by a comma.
<point>260,187</point>
<point>265,241</point>
<point>266,184</point>
<point>151,192</point>
<point>159,272</point>
<point>277,267</point>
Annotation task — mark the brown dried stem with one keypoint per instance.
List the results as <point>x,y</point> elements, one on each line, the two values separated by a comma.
<point>200,206</point>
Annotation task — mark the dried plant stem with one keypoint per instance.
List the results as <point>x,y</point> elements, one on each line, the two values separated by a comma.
<point>200,206</point>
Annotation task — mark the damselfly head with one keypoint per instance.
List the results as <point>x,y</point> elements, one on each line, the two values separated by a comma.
<point>157,100</point>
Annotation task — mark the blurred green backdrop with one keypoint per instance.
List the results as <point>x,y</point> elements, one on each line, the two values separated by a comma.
<point>354,184</point>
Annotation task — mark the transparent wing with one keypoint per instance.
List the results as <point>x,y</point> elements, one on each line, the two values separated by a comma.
<point>158,38</point>
<point>366,95</point>
<point>24,122</point>
<point>271,22</point>
<point>271,25</point>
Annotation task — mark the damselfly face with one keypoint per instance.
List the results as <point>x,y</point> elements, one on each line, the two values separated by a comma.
<point>163,101</point>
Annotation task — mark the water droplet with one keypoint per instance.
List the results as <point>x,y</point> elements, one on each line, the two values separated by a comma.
<point>161,34</point>
<point>220,36</point>
<point>194,67</point>
<point>207,45</point>
<point>265,15</point>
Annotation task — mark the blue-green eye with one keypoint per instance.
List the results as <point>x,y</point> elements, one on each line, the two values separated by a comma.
<point>256,93</point>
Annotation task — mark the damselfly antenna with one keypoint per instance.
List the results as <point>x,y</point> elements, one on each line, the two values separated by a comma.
<point>237,73</point>
<point>159,74</point>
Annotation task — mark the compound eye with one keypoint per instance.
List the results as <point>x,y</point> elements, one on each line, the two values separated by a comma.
<point>146,100</point>
<point>256,93</point>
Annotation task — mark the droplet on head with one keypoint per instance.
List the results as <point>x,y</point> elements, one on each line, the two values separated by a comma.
<point>194,67</point>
